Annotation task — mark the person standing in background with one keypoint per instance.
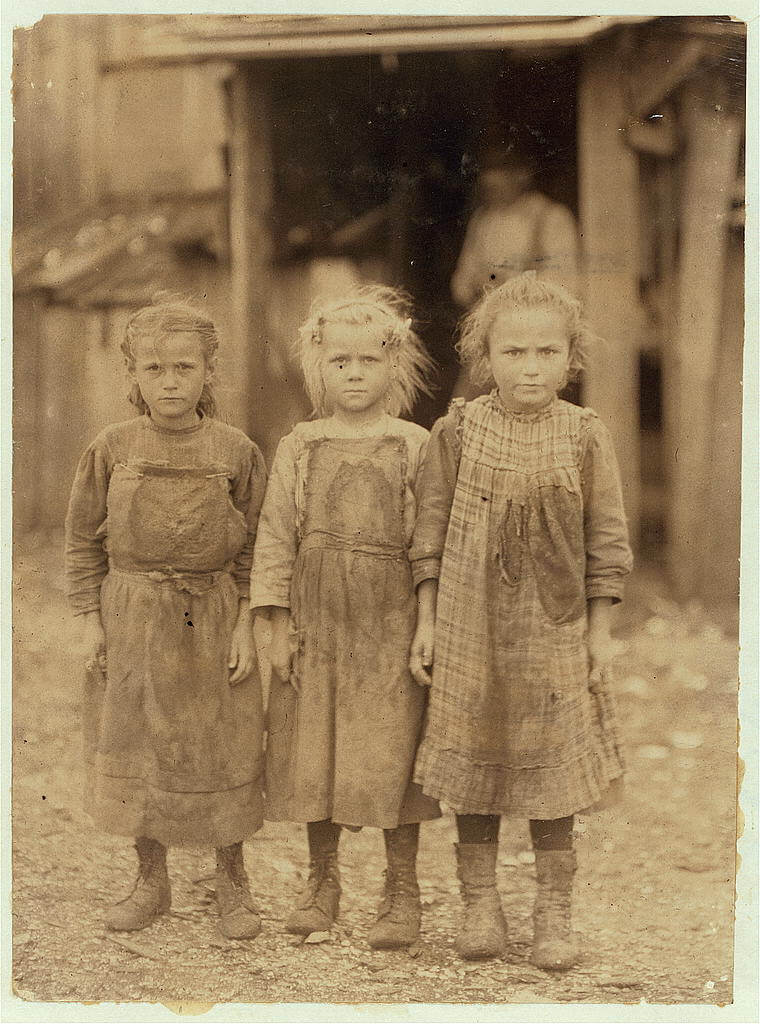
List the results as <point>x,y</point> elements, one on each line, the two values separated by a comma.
<point>514,228</point>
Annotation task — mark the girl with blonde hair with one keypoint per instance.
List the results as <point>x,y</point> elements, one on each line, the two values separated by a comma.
<point>331,569</point>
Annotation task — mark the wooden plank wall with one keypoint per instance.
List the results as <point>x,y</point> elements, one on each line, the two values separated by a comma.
<point>609,224</point>
<point>713,134</point>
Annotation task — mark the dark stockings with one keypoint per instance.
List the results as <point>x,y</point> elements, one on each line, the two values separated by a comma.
<point>554,834</point>
<point>478,828</point>
<point>323,837</point>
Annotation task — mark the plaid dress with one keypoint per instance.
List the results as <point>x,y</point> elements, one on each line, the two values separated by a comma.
<point>521,520</point>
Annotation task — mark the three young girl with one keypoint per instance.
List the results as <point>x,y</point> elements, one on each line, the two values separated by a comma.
<point>508,521</point>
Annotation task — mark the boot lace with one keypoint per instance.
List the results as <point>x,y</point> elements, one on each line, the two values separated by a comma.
<point>322,877</point>
<point>400,896</point>
<point>235,889</point>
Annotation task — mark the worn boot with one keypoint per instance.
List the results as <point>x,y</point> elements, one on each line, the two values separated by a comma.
<point>151,895</point>
<point>238,917</point>
<point>317,909</point>
<point>398,918</point>
<point>483,933</point>
<point>554,945</point>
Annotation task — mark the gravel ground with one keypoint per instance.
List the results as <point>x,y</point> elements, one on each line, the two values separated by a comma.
<point>654,894</point>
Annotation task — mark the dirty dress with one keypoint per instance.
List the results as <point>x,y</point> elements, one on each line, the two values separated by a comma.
<point>159,539</point>
<point>521,521</point>
<point>332,547</point>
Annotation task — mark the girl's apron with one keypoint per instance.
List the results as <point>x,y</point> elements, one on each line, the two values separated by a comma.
<point>174,747</point>
<point>344,748</point>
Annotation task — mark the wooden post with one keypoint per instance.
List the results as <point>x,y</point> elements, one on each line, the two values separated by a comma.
<point>713,138</point>
<point>251,191</point>
<point>609,224</point>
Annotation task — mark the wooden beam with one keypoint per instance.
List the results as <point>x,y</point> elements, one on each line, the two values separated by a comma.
<point>713,137</point>
<point>553,34</point>
<point>251,192</point>
<point>663,66</point>
<point>609,223</point>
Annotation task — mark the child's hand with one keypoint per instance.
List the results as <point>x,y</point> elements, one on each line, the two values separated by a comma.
<point>242,657</point>
<point>421,653</point>
<point>281,656</point>
<point>281,648</point>
<point>94,641</point>
<point>601,651</point>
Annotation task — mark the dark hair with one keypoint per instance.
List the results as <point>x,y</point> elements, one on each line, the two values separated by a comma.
<point>167,315</point>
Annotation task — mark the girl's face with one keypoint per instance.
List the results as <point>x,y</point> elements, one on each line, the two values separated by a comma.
<point>171,374</point>
<point>356,369</point>
<point>529,352</point>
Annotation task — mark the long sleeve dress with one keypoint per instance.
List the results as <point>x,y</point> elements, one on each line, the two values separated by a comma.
<point>332,548</point>
<point>521,521</point>
<point>159,538</point>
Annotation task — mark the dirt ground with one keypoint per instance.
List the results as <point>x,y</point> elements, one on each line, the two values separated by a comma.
<point>654,894</point>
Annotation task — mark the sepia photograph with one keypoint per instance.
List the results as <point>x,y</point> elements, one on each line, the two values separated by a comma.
<point>378,394</point>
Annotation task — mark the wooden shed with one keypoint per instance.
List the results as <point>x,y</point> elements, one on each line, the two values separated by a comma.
<point>351,142</point>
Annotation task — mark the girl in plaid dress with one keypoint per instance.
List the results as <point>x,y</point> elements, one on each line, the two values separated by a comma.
<point>331,568</point>
<point>519,552</point>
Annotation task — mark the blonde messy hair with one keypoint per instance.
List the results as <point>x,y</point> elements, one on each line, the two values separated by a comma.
<point>171,315</point>
<point>389,309</point>
<point>525,291</point>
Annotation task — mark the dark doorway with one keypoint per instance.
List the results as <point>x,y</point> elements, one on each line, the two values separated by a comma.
<point>378,157</point>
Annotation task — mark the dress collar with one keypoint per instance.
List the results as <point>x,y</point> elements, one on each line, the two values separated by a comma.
<point>200,425</point>
<point>523,417</point>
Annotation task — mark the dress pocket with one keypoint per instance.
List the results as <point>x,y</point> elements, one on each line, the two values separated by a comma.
<point>556,546</point>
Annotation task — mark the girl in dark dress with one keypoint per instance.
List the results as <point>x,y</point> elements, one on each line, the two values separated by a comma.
<point>159,542</point>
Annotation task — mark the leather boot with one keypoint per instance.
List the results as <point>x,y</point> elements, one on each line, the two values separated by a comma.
<point>554,944</point>
<point>317,909</point>
<point>483,933</point>
<point>238,917</point>
<point>398,918</point>
<point>151,895</point>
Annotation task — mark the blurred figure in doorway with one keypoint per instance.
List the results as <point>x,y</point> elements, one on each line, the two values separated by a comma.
<point>514,228</point>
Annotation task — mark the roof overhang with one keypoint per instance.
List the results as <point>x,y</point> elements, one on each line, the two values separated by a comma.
<point>195,38</point>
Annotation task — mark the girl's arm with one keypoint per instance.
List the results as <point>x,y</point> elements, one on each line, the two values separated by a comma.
<point>608,554</point>
<point>86,560</point>
<point>275,554</point>
<point>601,647</point>
<point>434,491</point>
<point>280,649</point>
<point>421,651</point>
<point>247,496</point>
